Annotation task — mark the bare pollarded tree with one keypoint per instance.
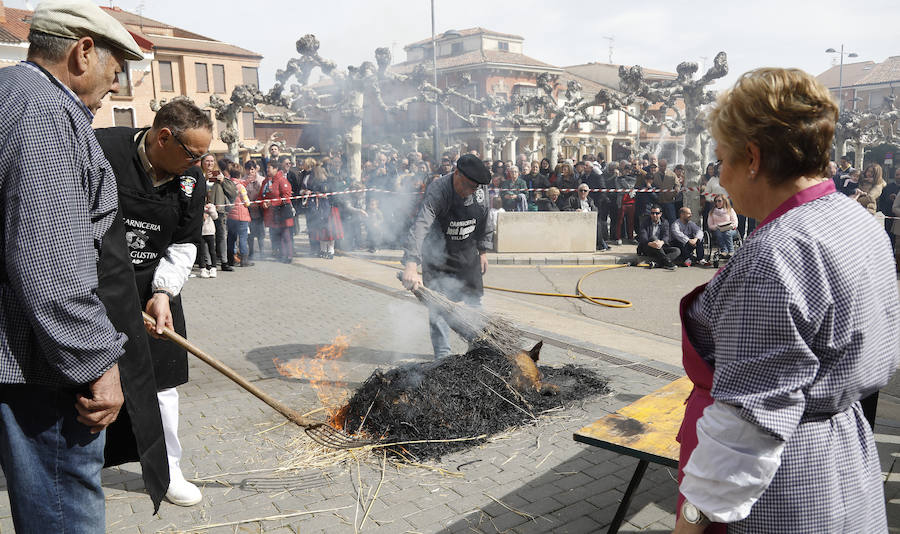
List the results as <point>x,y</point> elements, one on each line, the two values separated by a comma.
<point>863,129</point>
<point>353,90</point>
<point>693,92</point>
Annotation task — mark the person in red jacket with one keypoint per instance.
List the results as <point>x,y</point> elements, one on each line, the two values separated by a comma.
<point>276,192</point>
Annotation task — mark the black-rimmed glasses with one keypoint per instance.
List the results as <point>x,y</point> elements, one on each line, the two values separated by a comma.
<point>191,156</point>
<point>655,213</point>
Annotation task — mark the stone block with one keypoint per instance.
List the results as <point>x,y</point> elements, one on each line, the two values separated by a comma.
<point>548,231</point>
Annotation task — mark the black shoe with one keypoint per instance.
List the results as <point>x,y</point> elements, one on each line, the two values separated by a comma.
<point>227,267</point>
<point>670,267</point>
<point>371,249</point>
<point>247,263</point>
<point>652,265</point>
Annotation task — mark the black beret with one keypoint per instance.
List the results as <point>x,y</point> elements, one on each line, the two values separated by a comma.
<point>473,169</point>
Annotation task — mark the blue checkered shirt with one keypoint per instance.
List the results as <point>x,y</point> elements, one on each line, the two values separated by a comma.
<point>800,325</point>
<point>59,198</point>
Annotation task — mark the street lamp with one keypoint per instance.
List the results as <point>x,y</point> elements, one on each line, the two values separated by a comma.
<point>841,75</point>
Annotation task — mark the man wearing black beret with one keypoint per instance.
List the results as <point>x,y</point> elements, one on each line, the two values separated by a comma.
<point>449,239</point>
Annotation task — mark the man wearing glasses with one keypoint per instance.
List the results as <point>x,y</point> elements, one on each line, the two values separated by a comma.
<point>653,238</point>
<point>162,193</point>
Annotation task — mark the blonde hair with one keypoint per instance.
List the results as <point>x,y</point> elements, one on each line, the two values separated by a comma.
<point>553,191</point>
<point>726,204</point>
<point>786,112</point>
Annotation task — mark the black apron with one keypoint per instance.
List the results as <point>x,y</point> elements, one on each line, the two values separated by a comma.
<point>152,216</point>
<point>150,221</point>
<point>451,263</point>
<point>137,434</point>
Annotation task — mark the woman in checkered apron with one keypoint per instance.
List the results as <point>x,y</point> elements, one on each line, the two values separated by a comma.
<point>787,338</point>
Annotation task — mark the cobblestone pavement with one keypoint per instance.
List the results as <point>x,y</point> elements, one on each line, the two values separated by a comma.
<point>259,474</point>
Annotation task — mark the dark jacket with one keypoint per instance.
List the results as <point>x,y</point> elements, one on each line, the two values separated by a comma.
<point>574,204</point>
<point>644,232</point>
<point>545,204</point>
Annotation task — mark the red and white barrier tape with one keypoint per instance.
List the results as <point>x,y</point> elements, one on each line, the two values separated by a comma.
<point>533,189</point>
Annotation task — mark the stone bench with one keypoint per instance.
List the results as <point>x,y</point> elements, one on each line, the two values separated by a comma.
<point>546,231</point>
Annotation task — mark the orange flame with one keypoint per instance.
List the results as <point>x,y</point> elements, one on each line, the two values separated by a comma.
<point>323,373</point>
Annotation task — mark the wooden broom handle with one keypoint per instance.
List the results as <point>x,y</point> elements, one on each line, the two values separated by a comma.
<point>292,415</point>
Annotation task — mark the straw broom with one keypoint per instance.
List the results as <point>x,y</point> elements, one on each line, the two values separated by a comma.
<point>472,324</point>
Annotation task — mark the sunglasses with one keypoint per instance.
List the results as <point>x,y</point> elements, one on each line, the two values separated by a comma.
<point>193,158</point>
<point>655,213</point>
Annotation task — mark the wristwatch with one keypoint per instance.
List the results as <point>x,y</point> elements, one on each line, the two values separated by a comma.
<point>164,292</point>
<point>692,514</point>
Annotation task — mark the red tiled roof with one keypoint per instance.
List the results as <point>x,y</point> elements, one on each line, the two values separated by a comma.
<point>477,57</point>
<point>884,72</point>
<point>207,46</point>
<point>147,24</point>
<point>464,33</point>
<point>852,75</point>
<point>16,28</point>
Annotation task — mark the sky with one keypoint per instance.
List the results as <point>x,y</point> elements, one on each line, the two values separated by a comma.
<point>659,35</point>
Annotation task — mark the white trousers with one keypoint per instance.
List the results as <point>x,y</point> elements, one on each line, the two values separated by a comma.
<point>168,410</point>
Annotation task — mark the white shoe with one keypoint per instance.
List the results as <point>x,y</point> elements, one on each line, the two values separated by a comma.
<point>204,273</point>
<point>183,493</point>
<point>212,272</point>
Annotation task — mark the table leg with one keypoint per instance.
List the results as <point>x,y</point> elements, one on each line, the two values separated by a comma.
<point>626,499</point>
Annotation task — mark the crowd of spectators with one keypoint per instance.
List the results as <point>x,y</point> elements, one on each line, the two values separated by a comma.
<point>376,210</point>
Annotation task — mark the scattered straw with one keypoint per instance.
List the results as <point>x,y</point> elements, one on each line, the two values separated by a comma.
<point>377,489</point>
<point>549,454</point>
<point>510,508</point>
<point>258,519</point>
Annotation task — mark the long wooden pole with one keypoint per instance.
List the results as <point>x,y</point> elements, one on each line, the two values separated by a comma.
<point>292,415</point>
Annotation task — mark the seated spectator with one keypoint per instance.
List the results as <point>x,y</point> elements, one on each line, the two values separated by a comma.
<point>652,241</point>
<point>513,200</point>
<point>688,236</point>
<point>551,202</point>
<point>722,223</point>
<point>582,201</point>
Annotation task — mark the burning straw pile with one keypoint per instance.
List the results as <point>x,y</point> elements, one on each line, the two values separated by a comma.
<point>460,396</point>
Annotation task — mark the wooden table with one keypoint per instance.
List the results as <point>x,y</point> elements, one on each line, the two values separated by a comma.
<point>645,429</point>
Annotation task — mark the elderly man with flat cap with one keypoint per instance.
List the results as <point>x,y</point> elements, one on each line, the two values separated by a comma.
<point>449,239</point>
<point>60,349</point>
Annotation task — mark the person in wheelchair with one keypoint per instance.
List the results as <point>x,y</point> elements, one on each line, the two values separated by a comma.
<point>722,222</point>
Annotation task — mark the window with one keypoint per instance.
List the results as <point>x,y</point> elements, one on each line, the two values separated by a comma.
<point>165,76</point>
<point>124,82</point>
<point>219,78</point>
<point>250,76</point>
<point>202,78</point>
<point>503,45</point>
<point>249,129</point>
<point>123,117</point>
<point>456,49</point>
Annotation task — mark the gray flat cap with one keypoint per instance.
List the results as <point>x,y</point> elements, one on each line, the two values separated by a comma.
<point>74,19</point>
